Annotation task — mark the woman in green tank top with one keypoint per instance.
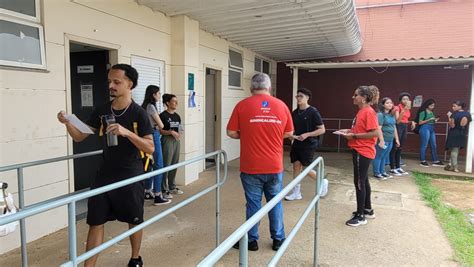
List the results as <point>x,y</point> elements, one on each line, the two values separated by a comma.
<point>427,119</point>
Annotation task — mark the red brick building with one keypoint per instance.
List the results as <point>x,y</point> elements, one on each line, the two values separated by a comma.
<point>423,47</point>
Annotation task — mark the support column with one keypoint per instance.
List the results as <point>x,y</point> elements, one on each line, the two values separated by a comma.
<point>295,87</point>
<point>470,139</point>
<point>185,61</point>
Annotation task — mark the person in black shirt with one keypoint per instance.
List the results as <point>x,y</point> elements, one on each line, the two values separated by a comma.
<point>170,143</point>
<point>120,162</point>
<point>308,126</point>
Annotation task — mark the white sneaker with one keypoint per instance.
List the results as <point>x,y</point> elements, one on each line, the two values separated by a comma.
<point>401,171</point>
<point>295,194</point>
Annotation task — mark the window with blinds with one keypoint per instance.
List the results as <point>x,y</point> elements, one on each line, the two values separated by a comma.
<point>150,72</point>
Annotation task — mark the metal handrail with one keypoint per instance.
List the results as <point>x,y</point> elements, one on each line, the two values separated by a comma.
<point>51,160</point>
<point>71,200</point>
<point>21,196</point>
<point>339,120</point>
<point>241,233</point>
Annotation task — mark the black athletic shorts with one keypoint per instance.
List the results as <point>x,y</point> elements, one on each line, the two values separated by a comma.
<point>124,204</point>
<point>305,155</point>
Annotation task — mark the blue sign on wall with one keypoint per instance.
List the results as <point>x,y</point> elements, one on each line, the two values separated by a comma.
<point>191,81</point>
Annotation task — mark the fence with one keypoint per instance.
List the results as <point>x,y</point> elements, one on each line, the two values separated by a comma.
<point>343,123</point>
<point>240,235</point>
<point>71,199</point>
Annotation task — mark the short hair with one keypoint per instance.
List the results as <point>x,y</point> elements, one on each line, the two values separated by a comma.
<point>403,94</point>
<point>261,81</point>
<point>130,72</point>
<point>167,98</point>
<point>305,92</point>
<point>460,103</point>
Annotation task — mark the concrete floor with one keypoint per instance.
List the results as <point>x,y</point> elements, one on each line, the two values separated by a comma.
<point>405,231</point>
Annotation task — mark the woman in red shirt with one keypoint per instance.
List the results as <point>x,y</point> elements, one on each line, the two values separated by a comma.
<point>362,138</point>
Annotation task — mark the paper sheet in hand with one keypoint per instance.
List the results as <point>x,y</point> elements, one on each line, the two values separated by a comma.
<point>339,133</point>
<point>82,127</point>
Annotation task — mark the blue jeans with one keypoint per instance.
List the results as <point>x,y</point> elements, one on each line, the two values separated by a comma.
<point>381,157</point>
<point>254,186</point>
<point>158,164</point>
<point>427,135</point>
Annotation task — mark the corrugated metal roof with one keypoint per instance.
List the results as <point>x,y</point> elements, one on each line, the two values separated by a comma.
<point>328,64</point>
<point>279,29</point>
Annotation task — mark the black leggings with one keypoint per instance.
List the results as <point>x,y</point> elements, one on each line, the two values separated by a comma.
<point>361,181</point>
<point>396,152</point>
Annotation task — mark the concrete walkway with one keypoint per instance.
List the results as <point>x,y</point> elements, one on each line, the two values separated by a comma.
<point>405,231</point>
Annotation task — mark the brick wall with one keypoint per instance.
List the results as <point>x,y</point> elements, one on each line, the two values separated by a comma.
<point>333,89</point>
<point>438,29</point>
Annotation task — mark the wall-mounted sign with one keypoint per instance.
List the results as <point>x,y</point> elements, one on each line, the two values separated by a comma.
<point>85,69</point>
<point>87,96</point>
<point>417,101</point>
<point>191,81</point>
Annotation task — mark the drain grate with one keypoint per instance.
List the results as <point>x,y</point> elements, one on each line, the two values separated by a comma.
<point>382,198</point>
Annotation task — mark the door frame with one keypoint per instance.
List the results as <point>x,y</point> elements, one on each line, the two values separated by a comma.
<point>114,55</point>
<point>217,106</point>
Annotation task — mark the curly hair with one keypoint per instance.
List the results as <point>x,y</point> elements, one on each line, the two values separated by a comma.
<point>370,93</point>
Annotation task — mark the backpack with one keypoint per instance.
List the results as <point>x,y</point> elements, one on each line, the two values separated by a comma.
<point>417,120</point>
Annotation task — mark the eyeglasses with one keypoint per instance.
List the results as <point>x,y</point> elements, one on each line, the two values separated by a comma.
<point>356,95</point>
<point>299,96</point>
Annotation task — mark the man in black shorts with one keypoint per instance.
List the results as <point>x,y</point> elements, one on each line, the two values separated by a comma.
<point>120,162</point>
<point>308,126</point>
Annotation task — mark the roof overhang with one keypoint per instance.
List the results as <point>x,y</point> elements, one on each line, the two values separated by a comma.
<point>282,30</point>
<point>383,63</point>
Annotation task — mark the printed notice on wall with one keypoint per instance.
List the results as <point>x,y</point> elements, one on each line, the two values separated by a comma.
<point>85,69</point>
<point>417,101</point>
<point>87,99</point>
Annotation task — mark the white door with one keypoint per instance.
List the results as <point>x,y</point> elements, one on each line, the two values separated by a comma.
<point>150,72</point>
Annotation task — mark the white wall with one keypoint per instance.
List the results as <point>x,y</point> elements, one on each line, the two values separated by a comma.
<point>30,99</point>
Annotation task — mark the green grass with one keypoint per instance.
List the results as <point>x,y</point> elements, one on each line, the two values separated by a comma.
<point>459,231</point>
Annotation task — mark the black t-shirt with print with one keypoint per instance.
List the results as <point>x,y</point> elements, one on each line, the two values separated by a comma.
<point>305,121</point>
<point>122,161</point>
<point>170,121</point>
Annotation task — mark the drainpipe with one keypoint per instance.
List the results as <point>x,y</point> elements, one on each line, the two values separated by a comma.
<point>295,87</point>
<point>470,138</point>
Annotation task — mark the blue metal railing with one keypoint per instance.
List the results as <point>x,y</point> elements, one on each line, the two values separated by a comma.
<point>240,235</point>
<point>71,200</point>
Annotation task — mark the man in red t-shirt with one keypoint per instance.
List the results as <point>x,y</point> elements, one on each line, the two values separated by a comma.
<point>261,122</point>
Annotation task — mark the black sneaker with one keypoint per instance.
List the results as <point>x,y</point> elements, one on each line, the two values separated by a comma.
<point>438,163</point>
<point>277,244</point>
<point>252,245</point>
<point>136,262</point>
<point>368,214</point>
<point>424,164</point>
<point>395,172</point>
<point>160,200</point>
<point>356,220</point>
<point>149,195</point>
<point>386,175</point>
<point>380,177</point>
<point>449,168</point>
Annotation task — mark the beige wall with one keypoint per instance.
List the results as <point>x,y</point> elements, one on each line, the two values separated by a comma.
<point>30,99</point>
